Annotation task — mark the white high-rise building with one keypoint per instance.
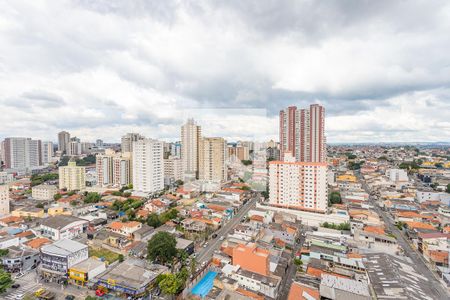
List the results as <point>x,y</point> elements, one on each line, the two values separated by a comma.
<point>190,138</point>
<point>298,185</point>
<point>113,169</point>
<point>148,166</point>
<point>74,147</point>
<point>47,152</point>
<point>302,133</point>
<point>22,153</point>
<point>4,199</point>
<point>128,140</point>
<point>212,159</point>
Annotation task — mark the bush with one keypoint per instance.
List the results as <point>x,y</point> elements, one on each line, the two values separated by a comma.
<point>342,226</point>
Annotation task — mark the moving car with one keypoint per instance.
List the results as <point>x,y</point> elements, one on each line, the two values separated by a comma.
<point>15,286</point>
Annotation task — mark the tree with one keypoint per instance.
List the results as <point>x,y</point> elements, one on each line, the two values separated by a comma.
<point>57,196</point>
<point>335,198</point>
<point>246,162</point>
<point>92,197</point>
<point>179,182</point>
<point>170,284</point>
<point>153,220</point>
<point>5,280</point>
<point>173,284</point>
<point>448,188</point>
<point>90,298</point>
<point>351,155</point>
<point>162,247</point>
<point>121,258</point>
<point>4,252</point>
<point>298,262</point>
<point>40,205</point>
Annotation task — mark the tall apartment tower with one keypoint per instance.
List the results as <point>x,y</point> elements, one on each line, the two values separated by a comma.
<point>4,199</point>
<point>298,185</point>
<point>113,169</point>
<point>63,141</point>
<point>47,152</point>
<point>128,140</point>
<point>302,133</point>
<point>22,153</point>
<point>212,159</point>
<point>72,177</point>
<point>148,165</point>
<point>190,138</point>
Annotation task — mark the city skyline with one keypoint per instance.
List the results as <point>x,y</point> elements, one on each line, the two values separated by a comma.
<point>116,67</point>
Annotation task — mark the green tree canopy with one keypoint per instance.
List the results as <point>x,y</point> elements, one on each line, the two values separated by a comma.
<point>5,280</point>
<point>335,198</point>
<point>153,220</point>
<point>92,197</point>
<point>162,247</point>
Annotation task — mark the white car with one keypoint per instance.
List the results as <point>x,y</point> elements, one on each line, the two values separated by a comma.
<point>18,297</point>
<point>222,238</point>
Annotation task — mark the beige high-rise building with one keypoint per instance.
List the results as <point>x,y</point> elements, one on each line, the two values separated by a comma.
<point>172,170</point>
<point>240,152</point>
<point>190,139</point>
<point>212,159</point>
<point>113,169</point>
<point>298,185</point>
<point>4,199</point>
<point>72,177</point>
<point>128,140</point>
<point>63,140</point>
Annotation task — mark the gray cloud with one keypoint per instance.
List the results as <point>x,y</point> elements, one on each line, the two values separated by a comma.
<point>101,68</point>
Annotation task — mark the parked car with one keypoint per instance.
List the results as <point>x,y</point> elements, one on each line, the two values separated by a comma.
<point>15,286</point>
<point>70,297</point>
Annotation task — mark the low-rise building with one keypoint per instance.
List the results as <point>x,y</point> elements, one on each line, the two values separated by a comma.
<point>63,227</point>
<point>85,271</point>
<point>20,260</point>
<point>28,212</point>
<point>334,287</point>
<point>59,257</point>
<point>131,277</point>
<point>44,192</point>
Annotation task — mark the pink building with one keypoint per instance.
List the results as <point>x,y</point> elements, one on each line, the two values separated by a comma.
<point>302,133</point>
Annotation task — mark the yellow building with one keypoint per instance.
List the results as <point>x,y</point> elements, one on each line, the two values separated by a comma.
<point>56,211</point>
<point>72,177</point>
<point>346,177</point>
<point>80,273</point>
<point>32,212</point>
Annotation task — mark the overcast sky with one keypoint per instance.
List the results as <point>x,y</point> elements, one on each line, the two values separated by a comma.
<point>100,69</point>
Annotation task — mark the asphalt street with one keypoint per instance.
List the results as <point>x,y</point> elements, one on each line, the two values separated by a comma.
<point>436,288</point>
<point>206,253</point>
